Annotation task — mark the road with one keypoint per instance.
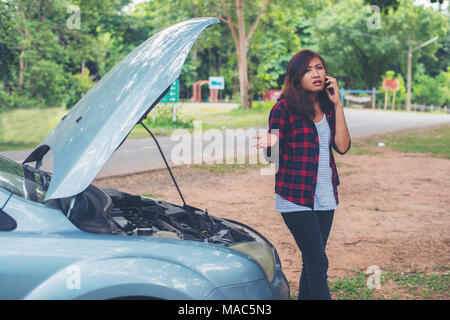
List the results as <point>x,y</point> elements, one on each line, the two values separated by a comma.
<point>140,155</point>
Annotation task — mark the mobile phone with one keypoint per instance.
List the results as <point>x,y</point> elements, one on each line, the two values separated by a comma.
<point>326,85</point>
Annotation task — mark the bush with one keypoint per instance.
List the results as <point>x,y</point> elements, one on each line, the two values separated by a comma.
<point>79,86</point>
<point>6,100</point>
<point>162,115</point>
<point>45,84</point>
<point>435,91</point>
<point>17,99</point>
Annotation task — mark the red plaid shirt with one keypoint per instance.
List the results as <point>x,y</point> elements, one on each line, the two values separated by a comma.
<point>298,145</point>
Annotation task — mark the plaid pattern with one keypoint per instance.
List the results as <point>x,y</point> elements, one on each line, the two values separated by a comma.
<point>298,145</point>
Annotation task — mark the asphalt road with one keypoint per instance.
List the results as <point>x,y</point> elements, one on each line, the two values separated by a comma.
<point>140,155</point>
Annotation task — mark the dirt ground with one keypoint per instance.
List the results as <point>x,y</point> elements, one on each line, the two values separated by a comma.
<point>393,209</point>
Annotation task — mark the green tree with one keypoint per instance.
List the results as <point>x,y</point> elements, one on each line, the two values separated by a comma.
<point>433,64</point>
<point>432,91</point>
<point>39,52</point>
<point>359,55</point>
<point>273,45</point>
<point>212,54</point>
<point>33,55</point>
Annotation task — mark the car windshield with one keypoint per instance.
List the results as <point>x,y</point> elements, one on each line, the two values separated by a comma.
<point>23,182</point>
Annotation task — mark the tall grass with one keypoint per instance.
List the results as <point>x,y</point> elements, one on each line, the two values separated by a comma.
<point>25,128</point>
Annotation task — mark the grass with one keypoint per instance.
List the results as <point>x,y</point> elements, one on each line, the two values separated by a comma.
<point>257,117</point>
<point>394,285</point>
<point>25,128</point>
<point>352,287</point>
<point>228,168</point>
<point>403,109</point>
<point>434,141</point>
<point>218,117</point>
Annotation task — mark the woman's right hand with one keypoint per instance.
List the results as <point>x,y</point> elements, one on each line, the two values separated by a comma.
<point>265,140</point>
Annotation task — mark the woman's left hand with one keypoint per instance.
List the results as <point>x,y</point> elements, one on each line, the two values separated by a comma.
<point>335,98</point>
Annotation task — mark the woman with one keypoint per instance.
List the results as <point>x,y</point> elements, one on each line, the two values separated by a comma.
<point>309,119</point>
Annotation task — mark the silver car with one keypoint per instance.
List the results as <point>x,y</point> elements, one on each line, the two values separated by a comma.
<point>63,238</point>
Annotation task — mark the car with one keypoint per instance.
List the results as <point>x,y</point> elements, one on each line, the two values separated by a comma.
<point>61,237</point>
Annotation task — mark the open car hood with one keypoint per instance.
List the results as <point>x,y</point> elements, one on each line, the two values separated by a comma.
<point>96,126</point>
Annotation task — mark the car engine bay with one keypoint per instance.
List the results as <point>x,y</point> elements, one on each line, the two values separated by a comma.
<point>110,211</point>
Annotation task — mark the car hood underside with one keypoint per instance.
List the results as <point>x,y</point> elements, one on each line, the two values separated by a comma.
<point>96,126</point>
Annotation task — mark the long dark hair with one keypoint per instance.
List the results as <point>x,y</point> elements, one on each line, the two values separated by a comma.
<point>298,99</point>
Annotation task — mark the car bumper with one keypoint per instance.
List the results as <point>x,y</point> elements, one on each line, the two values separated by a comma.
<point>278,289</point>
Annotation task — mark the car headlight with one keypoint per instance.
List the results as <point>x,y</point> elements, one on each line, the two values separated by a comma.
<point>262,253</point>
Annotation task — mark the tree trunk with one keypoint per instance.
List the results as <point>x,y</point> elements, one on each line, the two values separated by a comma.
<point>243,81</point>
<point>241,41</point>
<point>242,56</point>
<point>26,36</point>
<point>21,68</point>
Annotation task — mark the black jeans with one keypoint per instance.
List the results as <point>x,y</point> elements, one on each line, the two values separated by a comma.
<point>310,230</point>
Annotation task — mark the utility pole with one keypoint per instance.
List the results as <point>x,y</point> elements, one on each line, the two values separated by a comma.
<point>408,81</point>
<point>408,77</point>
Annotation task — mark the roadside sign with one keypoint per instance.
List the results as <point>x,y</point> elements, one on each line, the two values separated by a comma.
<point>173,95</point>
<point>217,83</point>
<point>391,84</point>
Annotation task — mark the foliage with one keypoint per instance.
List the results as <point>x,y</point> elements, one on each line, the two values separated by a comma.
<point>393,285</point>
<point>42,59</point>
<point>161,116</point>
<point>80,85</point>
<point>5,99</point>
<point>384,5</point>
<point>435,91</point>
<point>45,82</point>
<point>273,46</point>
<point>359,53</point>
<point>433,64</point>
<point>40,54</point>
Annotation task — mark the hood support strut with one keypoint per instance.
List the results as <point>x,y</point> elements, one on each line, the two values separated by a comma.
<point>165,161</point>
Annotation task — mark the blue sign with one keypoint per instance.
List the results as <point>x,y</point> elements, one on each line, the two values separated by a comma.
<point>217,83</point>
